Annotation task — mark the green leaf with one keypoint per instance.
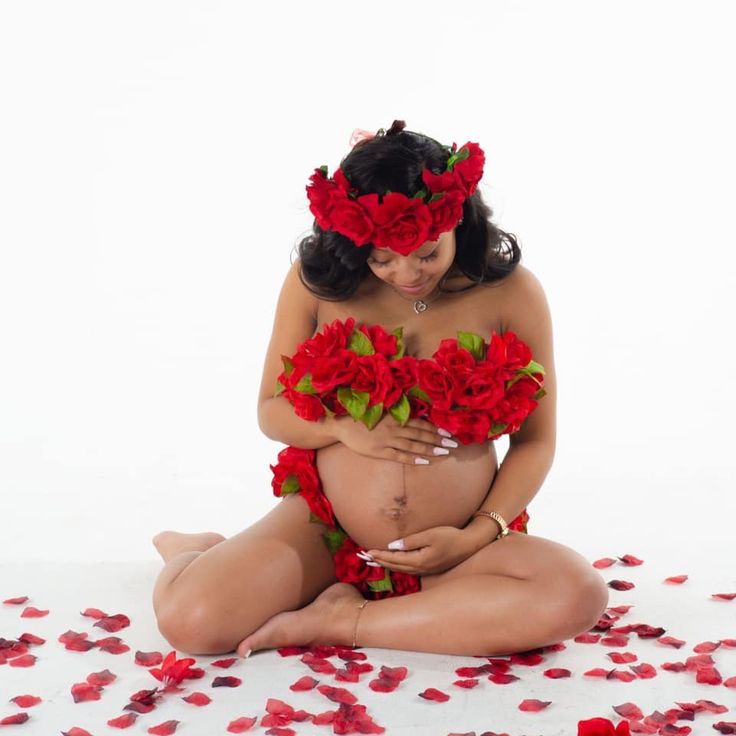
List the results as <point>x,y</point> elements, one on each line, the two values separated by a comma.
<point>400,410</point>
<point>533,367</point>
<point>400,347</point>
<point>334,539</point>
<point>378,586</point>
<point>372,415</point>
<point>327,409</point>
<point>360,344</point>
<point>460,155</point>
<point>290,485</point>
<point>472,343</point>
<point>436,196</point>
<point>288,365</point>
<point>421,194</point>
<point>323,169</point>
<point>539,394</point>
<point>416,392</point>
<point>305,385</point>
<point>280,388</point>
<point>497,428</point>
<point>356,402</point>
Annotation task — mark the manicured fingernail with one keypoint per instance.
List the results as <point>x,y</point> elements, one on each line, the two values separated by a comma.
<point>421,461</point>
<point>364,556</point>
<point>247,654</point>
<point>372,564</point>
<point>441,450</point>
<point>449,443</point>
<point>396,544</point>
<point>444,432</point>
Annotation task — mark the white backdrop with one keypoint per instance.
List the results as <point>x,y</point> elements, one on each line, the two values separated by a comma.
<point>153,159</point>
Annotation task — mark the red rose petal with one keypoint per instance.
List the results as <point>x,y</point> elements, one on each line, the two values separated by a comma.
<point>228,681</point>
<point>164,729</point>
<point>76,731</point>
<point>644,670</point>
<point>728,642</point>
<point>292,651</point>
<point>474,671</point>
<point>32,612</point>
<point>112,645</point>
<point>317,664</point>
<point>673,666</point>
<point>113,623</point>
<point>629,710</point>
<point>124,721</point>
<point>224,663</point>
<point>383,685</point>
<point>676,579</point>
<point>83,691</point>
<point>16,601</point>
<point>197,698</point>
<point>622,657</point>
<point>730,682</point>
<point>604,562</point>
<point>620,610</point>
<point>621,584</point>
<point>708,676</point>
<point>527,658</point>
<point>93,613</point>
<point>148,659</point>
<point>436,695</point>
<point>239,725</point>
<point>587,638</point>
<point>303,683</point>
<point>278,731</point>
<point>615,640</point>
<point>670,641</point>
<point>533,705</point>
<point>712,707</point>
<point>26,660</point>
<point>351,655</point>
<point>337,694</point>
<point>615,674</point>
<point>501,678</point>
<point>393,673</point>
<point>596,672</point>
<point>26,701</point>
<point>631,560</point>
<point>724,596</point>
<point>557,672</point>
<point>467,684</point>
<point>32,639</point>
<point>15,719</point>
<point>721,726</point>
<point>706,646</point>
<point>323,651</point>
<point>105,677</point>
<point>323,719</point>
<point>671,730</point>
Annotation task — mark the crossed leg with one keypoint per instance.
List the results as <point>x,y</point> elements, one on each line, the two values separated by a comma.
<point>273,585</point>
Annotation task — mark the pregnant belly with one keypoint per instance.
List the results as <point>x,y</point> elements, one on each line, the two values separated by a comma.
<point>377,501</point>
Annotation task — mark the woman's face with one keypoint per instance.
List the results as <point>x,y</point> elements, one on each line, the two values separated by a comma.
<point>418,273</point>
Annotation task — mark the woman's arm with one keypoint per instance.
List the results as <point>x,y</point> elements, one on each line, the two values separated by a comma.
<point>532,448</point>
<point>295,320</point>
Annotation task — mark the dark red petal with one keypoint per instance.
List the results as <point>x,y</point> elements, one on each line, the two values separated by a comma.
<point>724,642</point>
<point>673,666</point>
<point>26,701</point>
<point>164,729</point>
<point>721,726</point>
<point>644,670</point>
<point>16,601</point>
<point>76,731</point>
<point>317,664</point>
<point>80,645</point>
<point>706,646</point>
<point>26,660</point>
<point>224,663</point>
<point>596,672</point>
<point>113,623</point>
<point>473,671</point>
<point>346,675</point>
<point>432,694</point>
<point>526,658</point>
<point>323,651</point>
<point>629,710</point>
<point>32,612</point>
<point>631,560</point>
<point>148,659</point>
<point>322,719</point>
<point>708,676</point>
<point>112,645</point>
<point>615,640</point>
<point>467,684</point>
<point>383,685</point>
<point>724,596</point>
<point>676,579</point>
<point>587,638</point>
<point>228,681</point>
<point>670,641</point>
<point>337,694</point>
<point>534,705</point>
<point>124,721</point>
<point>393,673</point>
<point>501,678</point>
<point>140,707</point>
<point>622,657</point>
<point>83,691</point>
<point>291,651</point>
<point>351,655</point>
<point>278,731</point>
<point>615,674</point>
<point>644,631</point>
<point>15,719</point>
<point>32,639</point>
<point>105,677</point>
<point>709,705</point>
<point>279,707</point>
<point>620,584</point>
<point>304,683</point>
<point>93,613</point>
<point>239,725</point>
<point>197,698</point>
<point>557,672</point>
<point>604,562</point>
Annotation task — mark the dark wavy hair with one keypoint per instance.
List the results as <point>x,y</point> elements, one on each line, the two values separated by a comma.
<point>332,266</point>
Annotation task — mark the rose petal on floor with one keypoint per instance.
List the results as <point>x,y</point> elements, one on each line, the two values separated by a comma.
<point>604,562</point>
<point>124,721</point>
<point>676,579</point>
<point>533,705</point>
<point>435,695</point>
<point>556,673</point>
<point>32,612</point>
<point>631,560</point>
<point>105,677</point>
<point>197,698</point>
<point>620,584</point>
<point>164,729</point>
<point>228,681</point>
<point>240,725</point>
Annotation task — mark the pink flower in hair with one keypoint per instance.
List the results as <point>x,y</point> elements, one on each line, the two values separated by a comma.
<point>360,135</point>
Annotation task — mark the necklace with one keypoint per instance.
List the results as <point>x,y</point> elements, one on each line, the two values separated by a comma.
<point>420,305</point>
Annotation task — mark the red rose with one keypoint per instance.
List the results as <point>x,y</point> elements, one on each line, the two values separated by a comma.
<point>439,183</point>
<point>349,568</point>
<point>478,389</point>
<point>328,341</point>
<point>322,194</point>
<point>470,170</point>
<point>466,426</point>
<point>319,505</point>
<point>351,220</point>
<point>436,383</point>
<point>404,371</point>
<point>446,213</point>
<point>404,582</point>
<point>335,370</point>
<point>402,224</point>
<point>381,340</point>
<point>419,407</point>
<point>374,376</point>
<point>516,405</point>
<point>508,353</point>
<point>452,357</point>
<point>307,406</point>
<point>298,462</point>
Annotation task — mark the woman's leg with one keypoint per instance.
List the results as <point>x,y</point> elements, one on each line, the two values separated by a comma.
<point>213,593</point>
<point>513,595</point>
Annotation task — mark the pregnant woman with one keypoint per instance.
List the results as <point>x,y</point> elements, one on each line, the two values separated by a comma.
<point>406,537</point>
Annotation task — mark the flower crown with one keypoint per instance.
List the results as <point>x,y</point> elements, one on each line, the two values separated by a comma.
<point>394,220</point>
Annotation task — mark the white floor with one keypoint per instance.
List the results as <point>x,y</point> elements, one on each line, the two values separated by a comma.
<point>686,611</point>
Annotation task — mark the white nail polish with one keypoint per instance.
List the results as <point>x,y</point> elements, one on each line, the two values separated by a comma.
<point>421,461</point>
<point>372,564</point>
<point>443,432</point>
<point>396,544</point>
<point>449,443</point>
<point>247,653</point>
<point>441,451</point>
<point>364,556</point>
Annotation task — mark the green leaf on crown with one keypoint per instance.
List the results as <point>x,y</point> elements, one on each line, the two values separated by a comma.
<point>400,410</point>
<point>323,169</point>
<point>472,343</point>
<point>290,485</point>
<point>360,344</point>
<point>372,415</point>
<point>379,586</point>
<point>417,393</point>
<point>356,402</point>
<point>435,197</point>
<point>334,539</point>
<point>460,155</point>
<point>305,385</point>
<point>421,194</point>
<point>400,347</point>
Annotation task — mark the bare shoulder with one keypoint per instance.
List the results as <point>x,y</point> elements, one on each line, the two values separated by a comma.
<point>525,303</point>
<point>295,296</point>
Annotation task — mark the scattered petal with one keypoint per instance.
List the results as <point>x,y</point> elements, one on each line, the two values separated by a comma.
<point>164,729</point>
<point>76,731</point>
<point>32,639</point>
<point>228,681</point>
<point>318,664</point>
<point>620,584</point>
<point>557,672</point>
<point>112,645</point>
<point>436,695</point>
<point>533,705</point>
<point>622,657</point>
<point>621,610</point>
<point>26,660</point>
<point>105,677</point>
<point>15,719</point>
<point>670,641</point>
<point>26,701</point>
<point>124,721</point>
<point>277,731</point>
<point>706,646</point>
<point>467,684</point>
<point>615,640</point>
<point>631,560</point>
<point>113,623</point>
<point>587,638</point>
<point>724,596</point>
<point>629,710</point>
<point>224,663</point>
<point>644,670</point>
<point>622,675</point>
<point>197,698</point>
<point>725,726</point>
<point>337,694</point>
<point>291,651</point>
<point>393,673</point>
<point>32,612</point>
<point>239,725</point>
<point>501,678</point>
<point>676,579</point>
<point>673,666</point>
<point>604,562</point>
<point>83,691</point>
<point>95,613</point>
<point>148,659</point>
<point>527,658</point>
<point>304,683</point>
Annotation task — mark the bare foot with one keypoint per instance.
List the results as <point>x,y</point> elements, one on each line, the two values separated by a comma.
<point>328,619</point>
<point>169,544</point>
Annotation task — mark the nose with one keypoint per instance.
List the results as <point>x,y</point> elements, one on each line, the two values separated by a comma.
<point>407,273</point>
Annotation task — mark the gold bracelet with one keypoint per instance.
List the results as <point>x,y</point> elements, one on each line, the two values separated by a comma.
<point>355,630</point>
<point>498,518</point>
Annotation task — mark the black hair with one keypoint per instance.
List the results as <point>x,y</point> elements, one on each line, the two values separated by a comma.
<point>332,266</point>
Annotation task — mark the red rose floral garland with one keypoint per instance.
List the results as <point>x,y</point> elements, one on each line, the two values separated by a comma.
<point>475,390</point>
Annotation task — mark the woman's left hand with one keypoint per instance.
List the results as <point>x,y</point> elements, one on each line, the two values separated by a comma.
<point>424,553</point>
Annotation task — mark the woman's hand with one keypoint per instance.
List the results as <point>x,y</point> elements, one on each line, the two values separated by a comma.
<point>418,442</point>
<point>431,551</point>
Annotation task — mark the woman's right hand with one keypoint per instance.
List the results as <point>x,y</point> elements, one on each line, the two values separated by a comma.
<point>413,444</point>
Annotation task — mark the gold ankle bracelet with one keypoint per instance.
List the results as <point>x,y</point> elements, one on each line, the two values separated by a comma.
<point>355,630</point>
